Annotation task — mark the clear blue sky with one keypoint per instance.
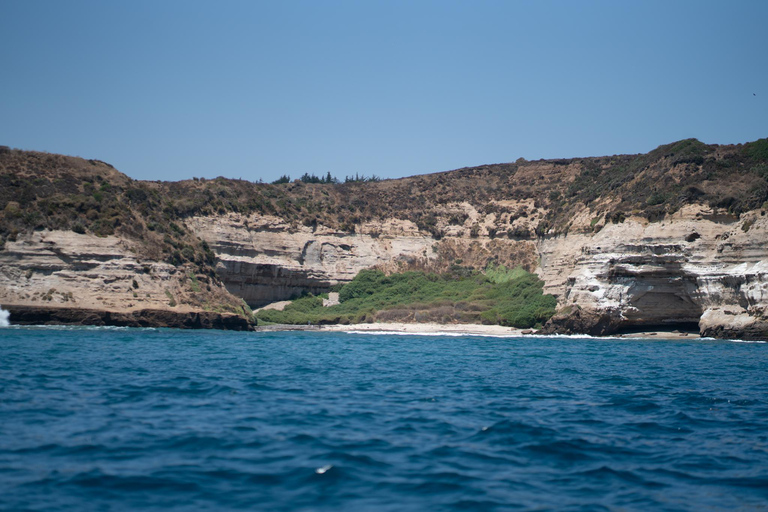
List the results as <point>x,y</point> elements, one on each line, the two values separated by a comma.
<point>256,89</point>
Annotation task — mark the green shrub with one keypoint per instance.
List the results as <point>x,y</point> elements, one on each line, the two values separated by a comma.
<point>363,284</point>
<point>757,150</point>
<point>500,274</point>
<point>761,170</point>
<point>500,296</point>
<point>188,253</point>
<point>656,198</point>
<point>194,283</point>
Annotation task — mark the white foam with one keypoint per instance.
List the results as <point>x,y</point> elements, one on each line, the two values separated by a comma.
<point>437,333</point>
<point>4,318</point>
<point>477,334</point>
<point>80,327</point>
<point>539,336</point>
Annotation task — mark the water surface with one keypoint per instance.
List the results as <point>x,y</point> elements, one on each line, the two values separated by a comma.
<point>128,419</point>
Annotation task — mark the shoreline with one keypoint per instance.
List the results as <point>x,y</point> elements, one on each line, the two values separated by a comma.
<point>191,319</point>
<point>431,328</point>
<point>159,318</point>
<point>461,329</point>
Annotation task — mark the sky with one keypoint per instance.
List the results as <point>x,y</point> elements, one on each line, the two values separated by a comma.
<point>252,89</point>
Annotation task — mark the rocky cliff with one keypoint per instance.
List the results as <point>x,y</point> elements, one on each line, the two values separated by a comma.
<point>71,278</point>
<point>263,260</point>
<point>675,237</point>
<point>697,267</point>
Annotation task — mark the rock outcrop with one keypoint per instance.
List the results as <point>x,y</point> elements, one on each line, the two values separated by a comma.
<point>263,259</point>
<point>70,278</point>
<point>57,315</point>
<point>697,267</point>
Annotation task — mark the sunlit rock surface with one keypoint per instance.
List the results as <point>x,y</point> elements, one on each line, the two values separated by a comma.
<point>695,267</point>
<point>65,277</point>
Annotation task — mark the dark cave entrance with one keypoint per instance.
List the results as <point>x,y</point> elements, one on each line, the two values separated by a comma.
<point>662,303</point>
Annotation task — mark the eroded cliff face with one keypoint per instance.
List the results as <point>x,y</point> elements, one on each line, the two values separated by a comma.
<point>264,259</point>
<point>65,277</point>
<point>698,266</point>
<point>672,237</point>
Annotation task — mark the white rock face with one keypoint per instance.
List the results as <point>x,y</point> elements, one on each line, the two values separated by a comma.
<point>262,259</point>
<point>694,267</point>
<point>66,269</point>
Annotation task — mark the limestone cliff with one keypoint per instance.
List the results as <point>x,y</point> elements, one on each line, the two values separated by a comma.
<point>65,277</point>
<point>263,260</point>
<point>675,237</point>
<point>695,267</point>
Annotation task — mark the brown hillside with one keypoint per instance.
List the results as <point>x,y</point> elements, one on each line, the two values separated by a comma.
<point>44,191</point>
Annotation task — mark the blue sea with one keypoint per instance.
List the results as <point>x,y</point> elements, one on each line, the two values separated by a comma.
<point>145,419</point>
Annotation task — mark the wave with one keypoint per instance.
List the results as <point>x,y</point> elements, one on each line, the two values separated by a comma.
<point>454,334</point>
<point>78,327</point>
<point>5,318</point>
<point>538,336</point>
<point>437,333</point>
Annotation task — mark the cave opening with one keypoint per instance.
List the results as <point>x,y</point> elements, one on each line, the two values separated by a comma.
<point>663,304</point>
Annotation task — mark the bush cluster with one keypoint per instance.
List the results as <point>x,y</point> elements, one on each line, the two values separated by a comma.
<point>501,296</point>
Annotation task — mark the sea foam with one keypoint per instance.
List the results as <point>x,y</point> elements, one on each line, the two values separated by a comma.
<point>4,318</point>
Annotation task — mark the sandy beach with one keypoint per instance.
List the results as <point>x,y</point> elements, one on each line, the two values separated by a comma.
<point>480,330</point>
<point>429,328</point>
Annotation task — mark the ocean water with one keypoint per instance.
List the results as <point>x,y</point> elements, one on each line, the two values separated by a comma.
<point>143,419</point>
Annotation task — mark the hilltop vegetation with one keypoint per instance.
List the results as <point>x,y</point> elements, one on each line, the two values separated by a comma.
<point>499,296</point>
<point>44,191</point>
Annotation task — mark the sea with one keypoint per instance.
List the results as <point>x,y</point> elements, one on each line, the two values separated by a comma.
<point>157,419</point>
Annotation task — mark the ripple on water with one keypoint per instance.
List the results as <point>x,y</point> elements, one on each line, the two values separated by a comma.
<point>99,419</point>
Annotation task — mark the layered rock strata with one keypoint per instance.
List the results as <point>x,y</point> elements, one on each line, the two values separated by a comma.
<point>58,315</point>
<point>696,267</point>
<point>624,242</point>
<point>65,277</point>
<point>263,259</point>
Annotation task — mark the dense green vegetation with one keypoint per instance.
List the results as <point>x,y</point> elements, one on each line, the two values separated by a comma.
<point>307,178</point>
<point>499,296</point>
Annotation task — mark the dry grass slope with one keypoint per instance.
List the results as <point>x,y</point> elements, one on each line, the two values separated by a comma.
<point>44,191</point>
